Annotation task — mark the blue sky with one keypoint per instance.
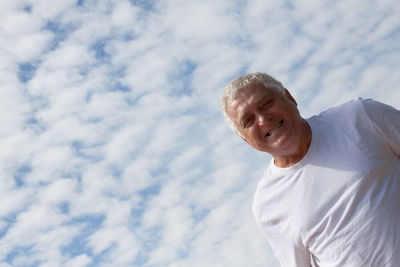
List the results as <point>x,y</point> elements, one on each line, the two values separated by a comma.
<point>113,149</point>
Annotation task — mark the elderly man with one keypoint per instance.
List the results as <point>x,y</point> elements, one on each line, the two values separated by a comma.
<point>331,194</point>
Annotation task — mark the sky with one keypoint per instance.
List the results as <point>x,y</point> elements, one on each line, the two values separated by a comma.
<point>113,150</point>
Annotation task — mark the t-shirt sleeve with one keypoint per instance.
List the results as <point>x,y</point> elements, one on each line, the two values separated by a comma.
<point>288,251</point>
<point>386,122</point>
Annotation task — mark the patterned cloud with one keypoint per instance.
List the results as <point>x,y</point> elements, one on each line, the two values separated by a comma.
<point>113,151</point>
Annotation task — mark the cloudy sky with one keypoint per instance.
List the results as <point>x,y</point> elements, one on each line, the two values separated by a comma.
<point>113,151</point>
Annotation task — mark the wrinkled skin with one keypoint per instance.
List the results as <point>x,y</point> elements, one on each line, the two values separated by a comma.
<point>269,121</point>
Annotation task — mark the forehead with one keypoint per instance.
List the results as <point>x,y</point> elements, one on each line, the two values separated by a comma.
<point>253,90</point>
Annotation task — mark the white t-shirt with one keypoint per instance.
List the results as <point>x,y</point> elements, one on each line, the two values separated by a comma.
<point>340,204</point>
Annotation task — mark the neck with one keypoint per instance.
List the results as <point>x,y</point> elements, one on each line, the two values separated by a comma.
<point>285,161</point>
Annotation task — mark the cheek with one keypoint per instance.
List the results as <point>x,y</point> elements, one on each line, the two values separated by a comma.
<point>255,134</point>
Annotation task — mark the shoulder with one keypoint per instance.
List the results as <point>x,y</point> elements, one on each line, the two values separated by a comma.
<point>357,106</point>
<point>349,107</point>
<point>271,194</point>
<point>353,111</point>
<point>257,207</point>
<point>380,112</point>
<point>262,190</point>
<point>366,112</point>
<point>356,118</point>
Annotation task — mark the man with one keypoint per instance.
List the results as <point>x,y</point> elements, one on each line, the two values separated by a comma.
<point>331,194</point>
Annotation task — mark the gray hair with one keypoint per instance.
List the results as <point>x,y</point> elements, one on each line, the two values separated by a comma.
<point>240,83</point>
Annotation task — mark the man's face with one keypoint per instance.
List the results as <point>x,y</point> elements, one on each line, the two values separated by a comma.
<point>268,120</point>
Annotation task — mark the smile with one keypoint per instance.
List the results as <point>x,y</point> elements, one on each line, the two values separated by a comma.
<point>276,127</point>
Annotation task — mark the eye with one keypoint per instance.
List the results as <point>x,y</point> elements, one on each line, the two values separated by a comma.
<point>247,121</point>
<point>266,104</point>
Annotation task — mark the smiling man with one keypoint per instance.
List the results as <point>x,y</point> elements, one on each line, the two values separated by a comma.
<point>331,194</point>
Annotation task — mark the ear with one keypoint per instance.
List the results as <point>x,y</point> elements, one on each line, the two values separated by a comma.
<point>244,139</point>
<point>288,95</point>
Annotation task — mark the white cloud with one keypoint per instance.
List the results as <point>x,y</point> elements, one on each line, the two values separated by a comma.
<point>78,261</point>
<point>49,10</point>
<point>113,150</point>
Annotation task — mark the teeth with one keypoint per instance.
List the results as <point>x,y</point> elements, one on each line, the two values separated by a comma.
<point>277,126</point>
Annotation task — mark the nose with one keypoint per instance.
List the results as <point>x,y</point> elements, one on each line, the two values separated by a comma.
<point>264,119</point>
